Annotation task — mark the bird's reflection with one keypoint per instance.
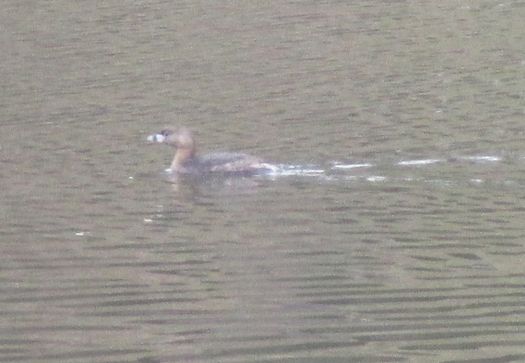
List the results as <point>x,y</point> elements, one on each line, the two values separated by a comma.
<point>187,187</point>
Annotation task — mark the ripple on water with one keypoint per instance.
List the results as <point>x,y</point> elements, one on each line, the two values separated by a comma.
<point>419,162</point>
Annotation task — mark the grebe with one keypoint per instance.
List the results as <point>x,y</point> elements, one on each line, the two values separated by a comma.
<point>186,161</point>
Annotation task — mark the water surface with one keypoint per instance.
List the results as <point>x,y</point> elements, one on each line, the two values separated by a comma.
<point>395,234</point>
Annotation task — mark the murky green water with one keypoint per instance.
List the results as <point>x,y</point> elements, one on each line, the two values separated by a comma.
<point>407,246</point>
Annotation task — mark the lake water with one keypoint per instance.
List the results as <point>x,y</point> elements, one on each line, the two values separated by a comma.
<point>394,233</point>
